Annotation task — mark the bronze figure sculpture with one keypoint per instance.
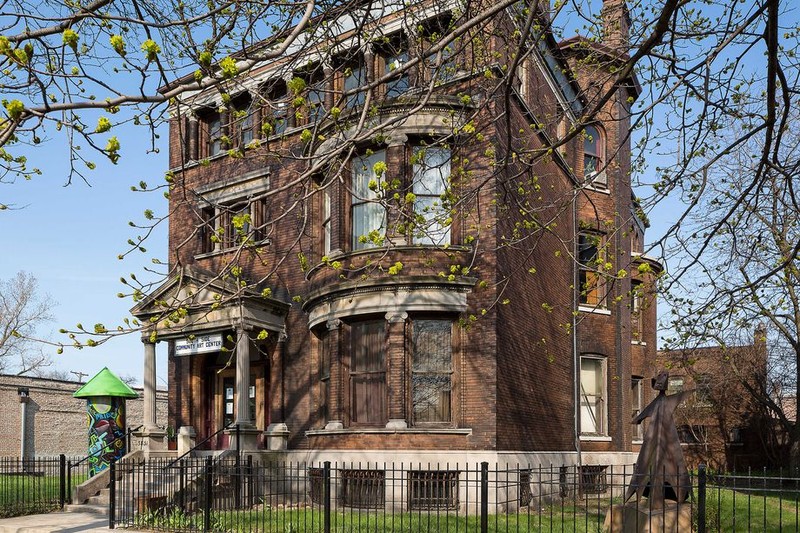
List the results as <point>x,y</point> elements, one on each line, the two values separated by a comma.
<point>660,472</point>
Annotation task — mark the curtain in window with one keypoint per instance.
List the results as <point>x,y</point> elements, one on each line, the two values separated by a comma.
<point>367,372</point>
<point>367,213</point>
<point>431,173</point>
<point>431,369</point>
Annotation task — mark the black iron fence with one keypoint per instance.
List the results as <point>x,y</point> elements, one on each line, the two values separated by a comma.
<point>32,485</point>
<point>231,495</point>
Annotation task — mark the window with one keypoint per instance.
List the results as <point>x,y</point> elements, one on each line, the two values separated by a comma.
<point>702,393</point>
<point>431,371</point>
<point>594,479</point>
<point>395,55</point>
<point>276,110</point>
<point>692,434</point>
<point>636,406</point>
<point>232,224</point>
<point>593,148</point>
<point>367,214</point>
<point>315,95</point>
<point>215,134</point>
<point>367,373</point>
<point>433,489</point>
<point>324,375</point>
<point>326,221</point>
<point>441,66</point>
<point>243,120</point>
<point>431,173</point>
<point>588,276</point>
<point>636,311</point>
<point>363,489</point>
<point>354,75</point>
<point>675,385</point>
<point>593,396</point>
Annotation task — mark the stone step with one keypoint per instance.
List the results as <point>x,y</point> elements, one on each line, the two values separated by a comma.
<point>87,508</point>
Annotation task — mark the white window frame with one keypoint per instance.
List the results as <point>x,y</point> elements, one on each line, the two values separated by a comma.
<point>434,232</point>
<point>598,407</point>
<point>366,199</point>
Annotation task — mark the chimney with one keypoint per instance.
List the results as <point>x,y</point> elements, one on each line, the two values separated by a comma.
<point>616,25</point>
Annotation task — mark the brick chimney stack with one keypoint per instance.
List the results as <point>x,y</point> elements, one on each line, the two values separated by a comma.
<point>616,25</point>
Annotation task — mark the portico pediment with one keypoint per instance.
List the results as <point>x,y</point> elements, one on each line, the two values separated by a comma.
<point>195,301</point>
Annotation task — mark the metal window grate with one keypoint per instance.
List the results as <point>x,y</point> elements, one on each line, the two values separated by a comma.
<point>433,489</point>
<point>363,488</point>
<point>593,479</point>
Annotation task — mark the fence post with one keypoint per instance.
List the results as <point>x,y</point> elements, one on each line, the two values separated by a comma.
<point>112,493</point>
<point>207,506</point>
<point>484,497</point>
<point>701,499</point>
<point>62,480</point>
<point>69,480</point>
<point>237,491</point>
<point>326,496</point>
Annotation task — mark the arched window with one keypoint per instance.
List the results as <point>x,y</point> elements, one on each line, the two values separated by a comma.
<point>593,161</point>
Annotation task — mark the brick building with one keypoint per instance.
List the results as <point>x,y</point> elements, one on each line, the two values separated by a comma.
<point>721,424</point>
<point>423,279</point>
<point>56,422</point>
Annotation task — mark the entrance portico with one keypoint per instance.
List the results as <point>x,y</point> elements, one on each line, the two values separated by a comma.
<point>214,329</point>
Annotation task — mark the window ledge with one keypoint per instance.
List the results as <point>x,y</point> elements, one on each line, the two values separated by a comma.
<point>593,188</point>
<point>596,438</point>
<point>594,310</point>
<point>206,255</point>
<point>387,431</point>
<point>639,343</point>
<point>637,441</point>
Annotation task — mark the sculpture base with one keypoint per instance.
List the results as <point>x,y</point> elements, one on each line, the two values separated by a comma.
<point>637,517</point>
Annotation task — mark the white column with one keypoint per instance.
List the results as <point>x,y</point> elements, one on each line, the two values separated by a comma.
<point>243,379</point>
<point>149,399</point>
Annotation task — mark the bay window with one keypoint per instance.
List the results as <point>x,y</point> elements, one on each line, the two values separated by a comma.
<point>367,214</point>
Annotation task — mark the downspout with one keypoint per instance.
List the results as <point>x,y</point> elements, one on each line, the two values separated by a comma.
<point>576,361</point>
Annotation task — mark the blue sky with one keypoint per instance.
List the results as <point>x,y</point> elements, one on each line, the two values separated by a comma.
<point>69,239</point>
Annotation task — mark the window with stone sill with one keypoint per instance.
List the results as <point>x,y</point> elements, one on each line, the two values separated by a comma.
<point>594,157</point>
<point>431,371</point>
<point>232,224</point>
<point>593,396</point>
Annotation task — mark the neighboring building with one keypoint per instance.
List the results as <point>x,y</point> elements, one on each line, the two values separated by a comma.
<point>721,424</point>
<point>55,422</point>
<point>356,309</point>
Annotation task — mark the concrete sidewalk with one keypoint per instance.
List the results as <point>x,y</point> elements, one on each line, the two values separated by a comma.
<point>63,522</point>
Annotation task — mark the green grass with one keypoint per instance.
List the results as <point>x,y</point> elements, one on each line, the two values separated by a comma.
<point>728,510</point>
<point>30,494</point>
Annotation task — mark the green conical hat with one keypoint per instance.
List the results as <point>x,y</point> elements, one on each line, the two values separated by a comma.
<point>105,383</point>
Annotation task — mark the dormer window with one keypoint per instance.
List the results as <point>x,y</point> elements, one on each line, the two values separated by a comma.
<point>441,65</point>
<point>276,109</point>
<point>593,160</point>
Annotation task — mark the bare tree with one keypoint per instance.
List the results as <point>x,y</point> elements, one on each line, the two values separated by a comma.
<point>22,311</point>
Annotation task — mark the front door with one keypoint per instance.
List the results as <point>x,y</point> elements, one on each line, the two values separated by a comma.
<point>226,399</point>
